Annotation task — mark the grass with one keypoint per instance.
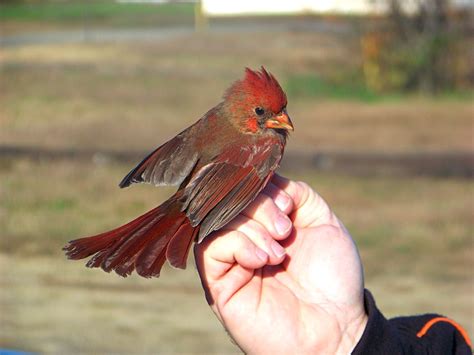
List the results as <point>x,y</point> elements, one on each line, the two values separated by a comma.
<point>315,86</point>
<point>414,234</point>
<point>351,87</point>
<point>101,10</point>
<point>48,98</point>
<point>21,18</point>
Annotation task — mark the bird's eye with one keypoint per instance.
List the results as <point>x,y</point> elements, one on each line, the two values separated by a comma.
<point>259,111</point>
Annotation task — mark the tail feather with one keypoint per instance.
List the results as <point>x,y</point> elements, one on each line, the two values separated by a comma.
<point>133,243</point>
<point>84,247</point>
<point>154,269</point>
<point>126,268</point>
<point>105,257</point>
<point>143,244</point>
<point>178,247</point>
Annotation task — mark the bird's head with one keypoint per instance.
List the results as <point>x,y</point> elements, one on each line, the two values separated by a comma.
<point>257,103</point>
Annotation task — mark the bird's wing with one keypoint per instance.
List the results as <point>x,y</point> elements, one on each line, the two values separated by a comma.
<point>169,164</point>
<point>222,189</point>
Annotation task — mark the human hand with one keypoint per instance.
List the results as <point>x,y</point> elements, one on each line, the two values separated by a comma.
<point>307,300</point>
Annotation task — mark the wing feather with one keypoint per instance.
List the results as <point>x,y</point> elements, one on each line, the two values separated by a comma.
<point>210,194</point>
<point>228,208</point>
<point>222,189</point>
<point>169,164</point>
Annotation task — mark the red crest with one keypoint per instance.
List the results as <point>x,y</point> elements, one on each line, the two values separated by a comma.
<point>259,88</point>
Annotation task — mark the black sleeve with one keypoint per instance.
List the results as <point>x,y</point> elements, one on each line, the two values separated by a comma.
<point>422,334</point>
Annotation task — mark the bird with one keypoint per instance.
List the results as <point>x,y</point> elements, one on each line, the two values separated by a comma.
<point>220,163</point>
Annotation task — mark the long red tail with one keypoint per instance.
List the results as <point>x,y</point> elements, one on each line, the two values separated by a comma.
<point>143,244</point>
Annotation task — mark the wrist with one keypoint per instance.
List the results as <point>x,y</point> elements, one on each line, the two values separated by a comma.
<point>351,335</point>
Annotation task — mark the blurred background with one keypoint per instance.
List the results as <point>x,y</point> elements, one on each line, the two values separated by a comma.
<point>380,93</point>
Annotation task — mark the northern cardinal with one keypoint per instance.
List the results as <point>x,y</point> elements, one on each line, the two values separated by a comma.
<point>220,163</point>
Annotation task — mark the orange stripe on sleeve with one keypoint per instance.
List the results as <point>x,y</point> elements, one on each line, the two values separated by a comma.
<point>433,321</point>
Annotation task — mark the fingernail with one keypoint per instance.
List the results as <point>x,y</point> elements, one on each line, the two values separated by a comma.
<point>278,249</point>
<point>282,224</point>
<point>261,254</point>
<point>282,202</point>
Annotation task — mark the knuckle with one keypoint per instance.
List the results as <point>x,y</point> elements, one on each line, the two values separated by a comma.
<point>265,200</point>
<point>311,197</point>
<point>261,205</point>
<point>256,230</point>
<point>241,244</point>
<point>303,185</point>
<point>229,238</point>
<point>304,190</point>
<point>253,207</point>
<point>239,237</point>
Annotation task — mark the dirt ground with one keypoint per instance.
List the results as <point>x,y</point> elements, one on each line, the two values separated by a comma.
<point>414,233</point>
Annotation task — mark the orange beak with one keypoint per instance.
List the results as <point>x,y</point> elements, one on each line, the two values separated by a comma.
<point>280,121</point>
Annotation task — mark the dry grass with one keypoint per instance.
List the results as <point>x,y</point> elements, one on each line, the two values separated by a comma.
<point>106,96</point>
<point>415,237</point>
<point>54,306</point>
<point>415,234</point>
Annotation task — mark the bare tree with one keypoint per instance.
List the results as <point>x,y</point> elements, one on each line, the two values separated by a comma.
<point>419,47</point>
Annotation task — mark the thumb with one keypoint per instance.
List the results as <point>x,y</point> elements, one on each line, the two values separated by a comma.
<point>310,209</point>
